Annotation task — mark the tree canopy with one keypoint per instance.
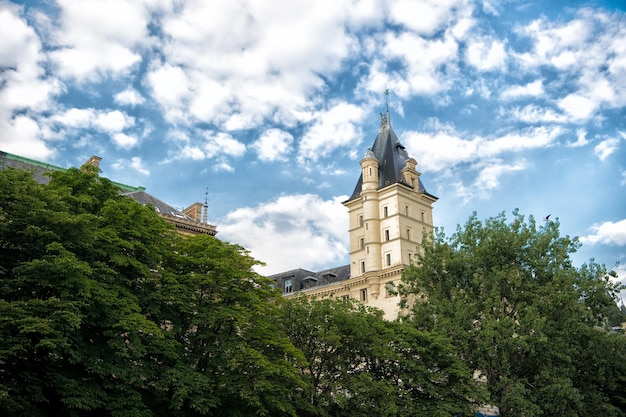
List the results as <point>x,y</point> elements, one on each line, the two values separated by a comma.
<point>106,310</point>
<point>358,364</point>
<point>533,326</point>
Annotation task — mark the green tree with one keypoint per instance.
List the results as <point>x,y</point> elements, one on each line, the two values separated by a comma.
<point>358,364</point>
<point>520,314</point>
<point>106,311</point>
<point>230,357</point>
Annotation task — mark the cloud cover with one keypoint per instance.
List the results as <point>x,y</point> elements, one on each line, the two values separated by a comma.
<point>272,103</point>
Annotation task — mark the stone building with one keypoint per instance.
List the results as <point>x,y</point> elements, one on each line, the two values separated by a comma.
<point>191,220</point>
<point>390,211</point>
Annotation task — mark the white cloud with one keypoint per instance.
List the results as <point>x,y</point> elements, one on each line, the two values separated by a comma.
<point>441,149</point>
<point>294,231</point>
<point>112,121</point>
<point>589,53</point>
<point>124,141</point>
<point>623,178</point>
<point>170,86</point>
<point>21,136</point>
<point>491,171</point>
<point>99,37</point>
<point>605,148</point>
<point>75,118</point>
<point>129,97</point>
<point>273,145</point>
<point>487,54</point>
<point>428,64</point>
<point>535,114</point>
<point>223,166</point>
<point>333,129</point>
<point>192,152</point>
<point>581,139</point>
<point>222,144</point>
<point>425,17</point>
<point>532,89</point>
<point>23,90</point>
<point>607,233</point>
<point>577,106</point>
<point>137,164</point>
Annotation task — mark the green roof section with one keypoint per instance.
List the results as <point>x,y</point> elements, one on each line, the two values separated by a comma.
<point>22,162</point>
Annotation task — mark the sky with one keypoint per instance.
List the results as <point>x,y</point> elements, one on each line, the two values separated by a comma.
<point>265,107</point>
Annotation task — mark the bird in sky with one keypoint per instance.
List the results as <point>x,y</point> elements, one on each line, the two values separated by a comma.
<point>547,218</point>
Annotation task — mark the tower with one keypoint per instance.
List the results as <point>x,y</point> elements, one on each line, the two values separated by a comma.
<point>390,211</point>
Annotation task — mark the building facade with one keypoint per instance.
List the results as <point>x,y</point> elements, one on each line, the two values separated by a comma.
<point>390,212</point>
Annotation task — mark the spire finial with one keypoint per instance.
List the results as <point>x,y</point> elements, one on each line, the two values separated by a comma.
<point>205,207</point>
<point>387,99</point>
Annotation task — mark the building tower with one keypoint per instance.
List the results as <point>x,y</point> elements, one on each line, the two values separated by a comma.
<point>390,211</point>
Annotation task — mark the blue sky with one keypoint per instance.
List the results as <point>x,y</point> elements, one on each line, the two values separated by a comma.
<point>270,104</point>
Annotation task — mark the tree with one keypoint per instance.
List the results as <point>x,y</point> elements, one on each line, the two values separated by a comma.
<point>106,311</point>
<point>230,357</point>
<point>519,313</point>
<point>358,364</point>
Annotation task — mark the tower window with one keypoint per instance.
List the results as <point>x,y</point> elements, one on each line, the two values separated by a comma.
<point>364,294</point>
<point>406,210</point>
<point>288,285</point>
<point>385,211</point>
<point>408,233</point>
<point>386,234</point>
<point>361,221</point>
<point>362,243</point>
<point>362,266</point>
<point>388,259</point>
<point>423,216</point>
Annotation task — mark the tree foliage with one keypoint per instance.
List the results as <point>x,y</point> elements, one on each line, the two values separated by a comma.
<point>105,310</point>
<point>520,314</point>
<point>358,364</point>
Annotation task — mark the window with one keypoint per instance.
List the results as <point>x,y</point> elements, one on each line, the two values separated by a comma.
<point>288,285</point>
<point>364,294</point>
<point>362,266</point>
<point>362,243</point>
<point>423,216</point>
<point>386,234</point>
<point>345,298</point>
<point>385,211</point>
<point>390,289</point>
<point>406,210</point>
<point>408,233</point>
<point>360,221</point>
<point>388,259</point>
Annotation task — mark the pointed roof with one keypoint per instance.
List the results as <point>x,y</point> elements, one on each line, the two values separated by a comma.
<point>392,157</point>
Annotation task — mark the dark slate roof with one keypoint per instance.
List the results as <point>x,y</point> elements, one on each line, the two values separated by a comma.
<point>144,198</point>
<point>391,155</point>
<point>303,279</point>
